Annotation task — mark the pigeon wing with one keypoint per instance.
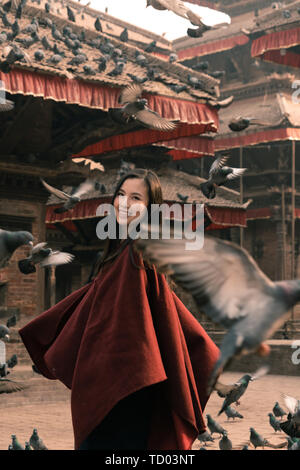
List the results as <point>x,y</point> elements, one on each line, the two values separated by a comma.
<point>261,372</point>
<point>292,404</point>
<point>84,188</point>
<point>221,276</point>
<point>56,258</point>
<point>10,386</point>
<point>223,389</point>
<point>176,6</point>
<point>38,247</point>
<point>236,172</point>
<point>153,120</point>
<point>57,192</point>
<point>131,93</point>
<point>217,164</point>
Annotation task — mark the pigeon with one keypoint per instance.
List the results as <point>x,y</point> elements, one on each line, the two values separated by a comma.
<point>44,257</point>
<point>182,198</point>
<point>221,104</point>
<point>178,88</point>
<point>274,422</point>
<point>241,123</point>
<point>70,200</point>
<point>136,108</point>
<point>173,57</point>
<point>55,33</point>
<point>177,7</point>
<point>102,62</point>
<point>27,446</point>
<point>39,55</point>
<point>232,413</point>
<point>10,241</point>
<point>55,59</point>
<point>137,79</point>
<point>198,32</point>
<point>150,47</point>
<point>201,66</point>
<point>228,287</point>
<point>71,15</point>
<point>218,176</point>
<point>11,386</point>
<point>140,59</point>
<point>124,35</point>
<point>218,74</point>
<point>290,427</point>
<point>213,426</point>
<point>45,43</point>
<point>205,437</point>
<point>278,411</point>
<point>118,70</point>
<point>12,361</point>
<point>89,70</point>
<point>225,443</point>
<point>232,393</point>
<point>36,442</point>
<point>259,441</point>
<point>293,405</point>
<point>15,443</point>
<point>98,25</point>
<point>6,105</point>
<point>295,445</point>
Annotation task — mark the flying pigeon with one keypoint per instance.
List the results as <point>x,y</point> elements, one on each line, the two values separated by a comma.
<point>70,200</point>
<point>10,241</point>
<point>241,123</point>
<point>232,393</point>
<point>278,411</point>
<point>136,108</point>
<point>44,257</point>
<point>36,442</point>
<point>228,287</point>
<point>293,405</point>
<point>11,386</point>
<point>219,175</point>
<point>274,422</point>
<point>177,7</point>
<point>214,426</point>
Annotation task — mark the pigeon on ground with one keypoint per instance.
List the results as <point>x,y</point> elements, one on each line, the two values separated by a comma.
<point>225,443</point>
<point>259,441</point>
<point>10,241</point>
<point>274,422</point>
<point>15,443</point>
<point>11,386</point>
<point>36,442</point>
<point>278,411</point>
<point>228,287</point>
<point>295,445</point>
<point>70,200</point>
<point>44,257</point>
<point>219,175</point>
<point>205,437</point>
<point>213,426</point>
<point>232,413</point>
<point>27,446</point>
<point>134,107</point>
<point>233,392</point>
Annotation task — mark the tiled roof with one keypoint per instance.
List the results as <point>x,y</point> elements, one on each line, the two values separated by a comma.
<point>280,18</point>
<point>174,73</point>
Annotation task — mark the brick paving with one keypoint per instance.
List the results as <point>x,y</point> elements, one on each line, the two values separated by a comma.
<point>46,406</point>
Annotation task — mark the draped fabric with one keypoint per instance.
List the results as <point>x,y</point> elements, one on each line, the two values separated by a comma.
<point>124,331</point>
<point>189,147</point>
<point>259,213</point>
<point>271,135</point>
<point>270,47</point>
<point>212,47</point>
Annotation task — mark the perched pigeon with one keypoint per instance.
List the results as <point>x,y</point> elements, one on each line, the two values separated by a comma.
<point>228,287</point>
<point>10,241</point>
<point>137,79</point>
<point>44,257</point>
<point>232,413</point>
<point>213,426</point>
<point>136,108</point>
<point>232,393</point>
<point>15,443</point>
<point>274,422</point>
<point>218,176</point>
<point>118,70</point>
<point>124,35</point>
<point>278,411</point>
<point>71,15</point>
<point>98,25</point>
<point>70,200</point>
<point>36,442</point>
<point>225,443</point>
<point>150,47</point>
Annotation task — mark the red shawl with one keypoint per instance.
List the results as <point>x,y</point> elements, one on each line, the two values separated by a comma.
<point>121,332</point>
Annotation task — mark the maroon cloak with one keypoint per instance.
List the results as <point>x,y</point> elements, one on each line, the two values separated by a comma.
<point>121,332</point>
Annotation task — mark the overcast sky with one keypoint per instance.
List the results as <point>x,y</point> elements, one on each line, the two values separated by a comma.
<point>159,22</point>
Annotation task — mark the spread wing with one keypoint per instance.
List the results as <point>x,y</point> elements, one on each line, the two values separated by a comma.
<point>131,93</point>
<point>223,279</point>
<point>217,164</point>
<point>38,247</point>
<point>84,188</point>
<point>57,192</point>
<point>292,404</point>
<point>176,6</point>
<point>236,172</point>
<point>10,386</point>
<point>153,120</point>
<point>56,258</point>
<point>223,389</point>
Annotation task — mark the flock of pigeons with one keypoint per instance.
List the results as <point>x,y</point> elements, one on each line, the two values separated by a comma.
<point>232,394</point>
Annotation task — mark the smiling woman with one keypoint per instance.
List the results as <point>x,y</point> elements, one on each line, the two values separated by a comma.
<point>156,21</point>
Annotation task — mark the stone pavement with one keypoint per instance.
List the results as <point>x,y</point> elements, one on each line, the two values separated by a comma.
<point>46,406</point>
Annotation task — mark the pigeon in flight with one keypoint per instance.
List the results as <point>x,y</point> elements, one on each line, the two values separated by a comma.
<point>233,392</point>
<point>44,257</point>
<point>134,107</point>
<point>241,123</point>
<point>10,241</point>
<point>219,175</point>
<point>177,7</point>
<point>293,405</point>
<point>229,288</point>
<point>11,386</point>
<point>70,200</point>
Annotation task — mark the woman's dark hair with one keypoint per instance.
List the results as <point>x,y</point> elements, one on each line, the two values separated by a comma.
<point>113,247</point>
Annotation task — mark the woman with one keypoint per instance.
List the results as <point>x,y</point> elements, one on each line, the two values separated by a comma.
<point>136,360</point>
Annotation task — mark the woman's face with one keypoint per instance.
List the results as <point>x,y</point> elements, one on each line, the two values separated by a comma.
<point>131,200</point>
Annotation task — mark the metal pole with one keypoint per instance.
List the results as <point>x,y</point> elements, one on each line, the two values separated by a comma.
<point>241,195</point>
<point>293,217</point>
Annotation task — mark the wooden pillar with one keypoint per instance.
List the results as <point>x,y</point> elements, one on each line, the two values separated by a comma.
<point>241,195</point>
<point>293,219</point>
<point>283,231</point>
